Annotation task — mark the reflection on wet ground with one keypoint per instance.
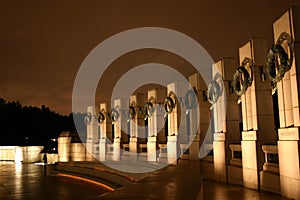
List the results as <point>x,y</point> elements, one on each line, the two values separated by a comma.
<point>221,191</point>
<point>27,181</point>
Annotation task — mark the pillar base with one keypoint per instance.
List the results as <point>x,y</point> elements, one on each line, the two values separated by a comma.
<point>133,145</point>
<point>220,167</point>
<point>134,148</point>
<point>288,153</point>
<point>250,159</point>
<point>117,149</point>
<point>151,149</point>
<point>89,151</point>
<point>102,149</point>
<point>172,149</point>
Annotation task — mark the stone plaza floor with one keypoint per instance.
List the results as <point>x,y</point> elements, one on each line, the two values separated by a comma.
<point>184,182</point>
<point>27,181</point>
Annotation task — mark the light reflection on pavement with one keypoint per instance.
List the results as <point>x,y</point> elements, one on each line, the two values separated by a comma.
<point>27,181</point>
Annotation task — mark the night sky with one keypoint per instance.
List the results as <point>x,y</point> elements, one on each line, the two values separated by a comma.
<point>43,43</point>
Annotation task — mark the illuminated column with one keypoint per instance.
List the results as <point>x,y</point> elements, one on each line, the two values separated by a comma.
<point>78,151</point>
<point>118,115</point>
<point>135,119</point>
<point>155,122</point>
<point>175,93</point>
<point>257,111</point>
<point>105,131</point>
<point>92,132</point>
<point>64,147</point>
<point>288,91</point>
<point>199,116</point>
<point>225,132</point>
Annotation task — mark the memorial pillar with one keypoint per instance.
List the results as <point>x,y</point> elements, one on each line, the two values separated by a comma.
<point>136,121</point>
<point>105,131</point>
<point>119,120</point>
<point>257,109</point>
<point>64,147</point>
<point>225,132</point>
<point>156,121</point>
<point>92,132</point>
<point>199,115</point>
<point>287,35</point>
<point>175,92</point>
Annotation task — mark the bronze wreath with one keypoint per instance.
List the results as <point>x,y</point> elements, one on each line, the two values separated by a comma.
<point>132,112</point>
<point>87,118</point>
<point>148,109</point>
<point>114,115</point>
<point>238,80</point>
<point>101,117</point>
<point>169,105</point>
<point>285,62</point>
<point>190,99</point>
<point>214,92</point>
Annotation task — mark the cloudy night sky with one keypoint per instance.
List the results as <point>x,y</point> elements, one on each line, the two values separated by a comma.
<point>43,43</point>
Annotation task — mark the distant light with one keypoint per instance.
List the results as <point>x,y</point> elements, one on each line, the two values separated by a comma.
<point>39,163</point>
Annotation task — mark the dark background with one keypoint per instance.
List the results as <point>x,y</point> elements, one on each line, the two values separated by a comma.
<point>43,43</point>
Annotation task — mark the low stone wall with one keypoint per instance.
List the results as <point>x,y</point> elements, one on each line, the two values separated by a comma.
<point>7,153</point>
<point>25,154</point>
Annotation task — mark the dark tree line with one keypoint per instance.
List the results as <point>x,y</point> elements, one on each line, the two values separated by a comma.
<point>30,125</point>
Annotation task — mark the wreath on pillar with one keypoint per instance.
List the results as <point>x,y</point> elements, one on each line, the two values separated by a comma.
<point>132,112</point>
<point>88,119</point>
<point>114,115</point>
<point>190,99</point>
<point>148,109</point>
<point>275,70</point>
<point>101,117</point>
<point>242,79</point>
<point>169,104</point>
<point>214,90</point>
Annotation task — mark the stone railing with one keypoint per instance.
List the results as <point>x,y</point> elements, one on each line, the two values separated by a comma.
<point>271,158</point>
<point>236,155</point>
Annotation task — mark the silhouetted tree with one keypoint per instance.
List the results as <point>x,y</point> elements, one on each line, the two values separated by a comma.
<point>30,125</point>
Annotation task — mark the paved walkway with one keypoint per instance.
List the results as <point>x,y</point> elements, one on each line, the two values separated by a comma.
<point>181,182</point>
<point>28,182</point>
<point>221,191</point>
<point>184,182</point>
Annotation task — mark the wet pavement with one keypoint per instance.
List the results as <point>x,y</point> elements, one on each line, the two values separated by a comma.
<point>221,191</point>
<point>184,182</point>
<point>27,181</point>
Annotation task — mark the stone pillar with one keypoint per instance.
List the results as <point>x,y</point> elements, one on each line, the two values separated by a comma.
<point>105,131</point>
<point>288,101</point>
<point>78,152</point>
<point>199,116</point>
<point>120,126</point>
<point>176,91</point>
<point>225,132</point>
<point>258,118</point>
<point>92,132</point>
<point>156,122</point>
<point>136,102</point>
<point>64,147</point>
